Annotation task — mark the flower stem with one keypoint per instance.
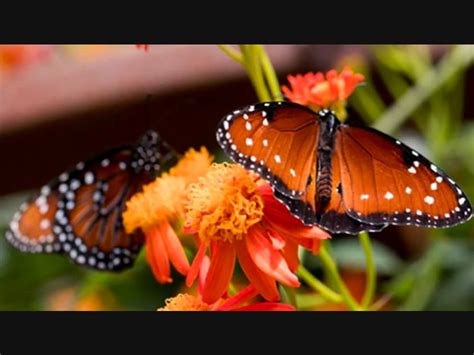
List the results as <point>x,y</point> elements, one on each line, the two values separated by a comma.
<point>254,70</point>
<point>232,290</point>
<point>371,271</point>
<point>458,58</point>
<point>291,294</point>
<point>318,286</point>
<point>332,268</point>
<point>231,52</point>
<point>270,74</point>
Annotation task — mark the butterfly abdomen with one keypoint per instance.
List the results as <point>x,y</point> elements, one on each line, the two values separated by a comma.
<point>326,142</point>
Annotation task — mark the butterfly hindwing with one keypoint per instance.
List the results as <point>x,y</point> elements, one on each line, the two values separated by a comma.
<point>385,181</point>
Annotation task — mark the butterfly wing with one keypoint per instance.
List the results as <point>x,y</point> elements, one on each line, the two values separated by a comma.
<point>277,140</point>
<point>79,214</point>
<point>31,229</point>
<point>385,181</point>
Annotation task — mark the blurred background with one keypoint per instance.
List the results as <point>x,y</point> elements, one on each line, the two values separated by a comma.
<point>65,103</point>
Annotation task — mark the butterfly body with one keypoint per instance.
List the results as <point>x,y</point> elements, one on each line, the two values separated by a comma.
<point>79,213</point>
<point>344,178</point>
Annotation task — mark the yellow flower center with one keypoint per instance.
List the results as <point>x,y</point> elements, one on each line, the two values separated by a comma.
<point>224,204</point>
<point>161,199</point>
<point>184,302</point>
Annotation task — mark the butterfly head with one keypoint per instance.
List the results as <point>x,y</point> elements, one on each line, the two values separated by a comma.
<point>326,114</point>
<point>153,153</point>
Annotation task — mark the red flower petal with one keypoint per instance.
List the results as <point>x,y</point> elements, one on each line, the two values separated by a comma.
<point>174,248</point>
<point>267,306</point>
<point>290,253</point>
<point>267,258</point>
<point>196,265</point>
<point>243,296</point>
<point>277,215</point>
<point>206,263</point>
<point>278,242</point>
<point>264,284</point>
<point>157,256</point>
<point>316,247</point>
<point>220,272</point>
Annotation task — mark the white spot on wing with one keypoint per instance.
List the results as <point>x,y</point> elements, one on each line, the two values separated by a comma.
<point>265,142</point>
<point>364,197</point>
<point>44,224</point>
<point>462,200</point>
<point>412,170</point>
<point>429,200</point>
<point>434,186</point>
<point>388,195</point>
<point>89,178</point>
<point>277,158</point>
<point>293,172</point>
<point>248,126</point>
<point>249,141</point>
<point>265,122</point>
<point>408,190</point>
<point>416,163</point>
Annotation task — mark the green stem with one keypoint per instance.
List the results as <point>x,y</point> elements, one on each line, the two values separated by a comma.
<point>231,52</point>
<point>291,294</point>
<point>371,272</point>
<point>252,64</point>
<point>232,290</point>
<point>459,57</point>
<point>270,74</point>
<point>333,271</point>
<point>318,286</point>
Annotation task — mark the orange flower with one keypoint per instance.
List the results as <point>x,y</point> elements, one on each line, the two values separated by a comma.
<point>318,91</point>
<point>187,302</point>
<point>159,207</point>
<point>143,46</point>
<point>236,216</point>
<point>16,56</point>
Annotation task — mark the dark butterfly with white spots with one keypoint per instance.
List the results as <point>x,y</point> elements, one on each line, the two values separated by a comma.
<point>343,178</point>
<point>79,213</point>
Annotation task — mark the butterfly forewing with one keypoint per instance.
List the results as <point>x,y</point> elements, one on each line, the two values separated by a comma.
<point>80,213</point>
<point>271,141</point>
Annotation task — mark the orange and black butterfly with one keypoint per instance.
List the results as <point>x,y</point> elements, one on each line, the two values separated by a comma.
<point>79,213</point>
<point>344,178</point>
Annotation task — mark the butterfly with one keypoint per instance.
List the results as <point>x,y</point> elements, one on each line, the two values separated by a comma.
<point>343,178</point>
<point>79,213</point>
